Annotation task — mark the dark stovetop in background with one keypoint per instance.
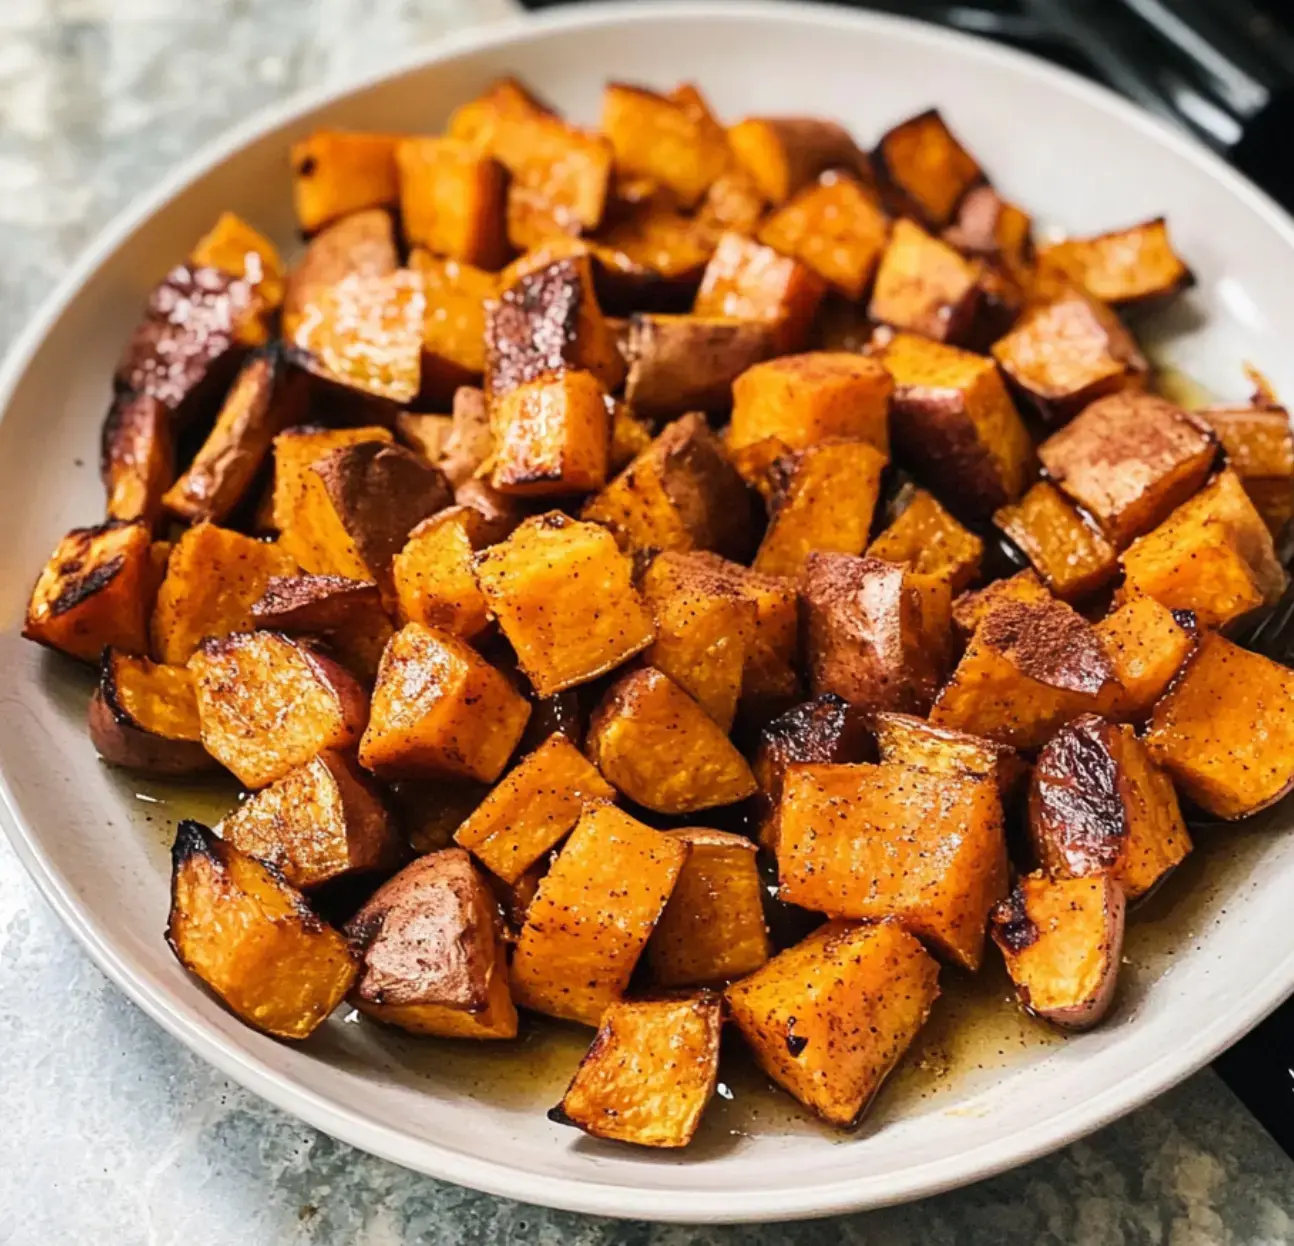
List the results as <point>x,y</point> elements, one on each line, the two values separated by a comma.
<point>1223,70</point>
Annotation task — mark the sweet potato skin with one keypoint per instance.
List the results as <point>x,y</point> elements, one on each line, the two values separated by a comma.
<point>784,154</point>
<point>1259,446</point>
<point>137,458</point>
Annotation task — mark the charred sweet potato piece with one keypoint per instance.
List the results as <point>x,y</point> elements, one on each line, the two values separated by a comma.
<point>432,959</point>
<point>745,280</point>
<point>144,716</point>
<point>233,246</point>
<point>835,226</point>
<point>829,1018</point>
<point>971,608</point>
<point>1029,668</point>
<point>240,928</point>
<point>435,582</point>
<point>1213,555</point>
<point>1062,940</point>
<point>552,437</point>
<point>712,931</point>
<point>925,286</point>
<point>595,910</point>
<point>440,709</point>
<point>1099,805</point>
<point>1225,729</point>
<point>954,422</point>
<point>532,808</point>
<point>873,632</point>
<point>990,228</point>
<point>1128,460</point>
<point>563,638</point>
<point>805,399</point>
<point>1066,353</point>
<point>318,822</point>
<point>453,326</point>
<point>1125,267</point>
<point>873,842</point>
<point>783,154</point>
<point>337,172</point>
<point>904,740</point>
<point>1146,644</point>
<point>1070,555</point>
<point>660,748</point>
<point>650,1072</point>
<point>452,200</point>
<point>94,592</point>
<point>296,451</point>
<point>137,458</point>
<point>931,542</point>
<point>924,168</point>
<point>268,704</point>
<point>429,811</point>
<point>652,259</point>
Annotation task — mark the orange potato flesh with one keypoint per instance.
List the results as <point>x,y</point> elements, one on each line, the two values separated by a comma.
<point>783,154</point>
<point>452,200</point>
<point>295,453</point>
<point>434,578</point>
<point>1125,267</point>
<point>931,542</point>
<point>923,285</point>
<point>925,168</point>
<point>1073,558</point>
<point>905,740</point>
<point>235,247</point>
<point>453,325</point>
<point>1147,646</point>
<point>970,609</point>
<point>1259,446</point>
<point>337,172</point>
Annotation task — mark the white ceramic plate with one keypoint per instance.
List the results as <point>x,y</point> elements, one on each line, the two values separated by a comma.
<point>1073,153</point>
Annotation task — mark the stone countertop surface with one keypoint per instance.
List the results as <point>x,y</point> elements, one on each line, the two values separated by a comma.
<point>114,1133</point>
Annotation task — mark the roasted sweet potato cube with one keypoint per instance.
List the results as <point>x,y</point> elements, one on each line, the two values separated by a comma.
<point>1225,729</point>
<point>1125,267</point>
<point>734,203</point>
<point>453,326</point>
<point>835,226</point>
<point>532,808</point>
<point>144,716</point>
<point>873,842</point>
<point>955,423</point>
<point>681,493</point>
<point>712,931</point>
<point>452,200</point>
<point>1213,555</point>
<point>931,542</point>
<point>925,286</point>
<point>432,960</point>
<point>631,434</point>
<point>1147,644</point>
<point>755,463</point>
<point>704,632</point>
<point>971,608</point>
<point>1062,940</point>
<point>424,434</point>
<point>471,440</point>
<point>1259,446</point>
<point>745,280</point>
<point>1066,353</point>
<point>1071,556</point>
<point>595,910</point>
<point>95,591</point>
<point>435,578</point>
<point>805,399</point>
<point>563,638</point>
<point>905,740</point>
<point>137,458</point>
<point>240,928</point>
<point>783,154</point>
<point>652,259</point>
<point>440,709</point>
<point>655,744</point>
<point>268,704</point>
<point>552,437</point>
<point>829,1018</point>
<point>650,1072</point>
<point>296,451</point>
<point>1029,668</point>
<point>1128,460</point>
<point>989,227</point>
<point>1099,805</point>
<point>823,501</point>
<point>874,633</point>
<point>233,246</point>
<point>337,172</point>
<point>925,169</point>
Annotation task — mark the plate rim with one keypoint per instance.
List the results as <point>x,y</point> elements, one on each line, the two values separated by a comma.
<point>594,1197</point>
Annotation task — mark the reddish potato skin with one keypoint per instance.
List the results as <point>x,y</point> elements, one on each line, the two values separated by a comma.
<point>119,741</point>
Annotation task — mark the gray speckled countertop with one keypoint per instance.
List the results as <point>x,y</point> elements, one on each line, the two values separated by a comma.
<point>113,1133</point>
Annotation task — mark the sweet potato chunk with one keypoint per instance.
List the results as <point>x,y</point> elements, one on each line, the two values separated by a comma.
<point>247,934</point>
<point>552,437</point>
<point>1062,940</point>
<point>137,458</point>
<point>824,502</point>
<point>836,227</point>
<point>1128,460</point>
<point>783,154</point>
<point>95,591</point>
<point>989,227</point>
<point>1125,267</point>
<point>733,204</point>
<point>805,399</point>
<point>972,608</point>
<point>1225,730</point>
<point>424,434</point>
<point>144,716</point>
<point>925,169</point>
<point>660,748</point>
<point>432,958</point>
<point>1070,555</point>
<point>429,811</point>
<point>532,808</point>
<point>955,423</point>
<point>268,704</point>
<point>318,822</point>
<point>874,633</point>
<point>904,740</point>
<point>1029,668</point>
<point>631,434</point>
<point>233,246</point>
<point>893,841</point>
<point>296,451</point>
<point>435,582</point>
<point>440,709</point>
<point>1146,644</point>
<point>747,281</point>
<point>1099,805</point>
<point>652,259</point>
<point>453,325</point>
<point>1213,555</point>
<point>452,200</point>
<point>680,493</point>
<point>925,286</point>
<point>563,638</point>
<point>471,440</point>
<point>336,172</point>
<point>712,931</point>
<point>829,1018</point>
<point>650,1072</point>
<point>595,910</point>
<point>931,542</point>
